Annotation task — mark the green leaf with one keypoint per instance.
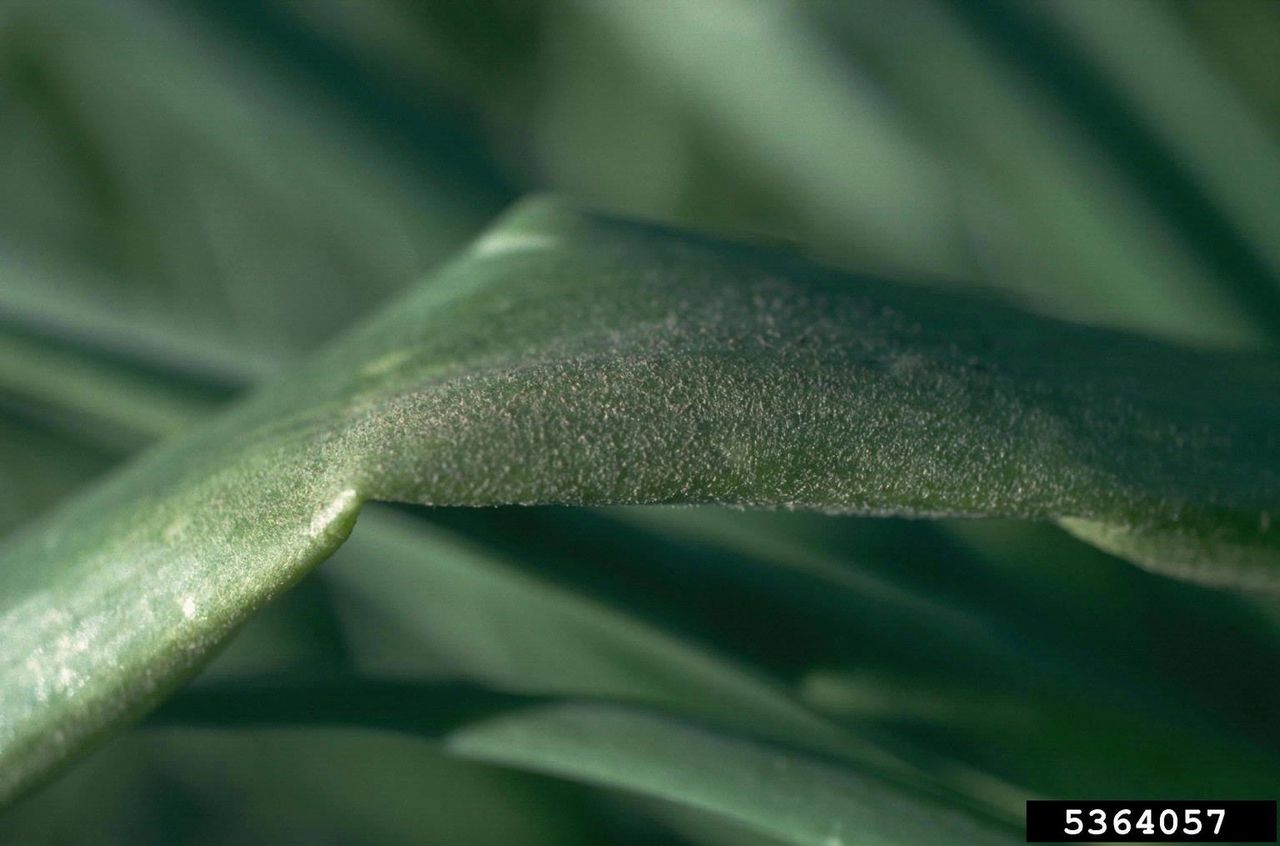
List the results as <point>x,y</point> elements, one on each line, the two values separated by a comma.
<point>518,598</point>
<point>1055,218</point>
<point>482,607</point>
<point>578,359</point>
<point>39,466</point>
<point>524,604</point>
<point>174,785</point>
<point>112,401</point>
<point>163,169</point>
<point>774,790</point>
<point>495,609</point>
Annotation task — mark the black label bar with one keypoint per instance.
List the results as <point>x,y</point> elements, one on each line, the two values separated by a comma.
<point>1081,821</point>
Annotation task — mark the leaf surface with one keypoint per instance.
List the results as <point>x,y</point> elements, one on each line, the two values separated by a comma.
<point>577,359</point>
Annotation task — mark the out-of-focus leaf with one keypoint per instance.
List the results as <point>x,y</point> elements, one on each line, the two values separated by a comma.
<point>517,598</point>
<point>39,466</point>
<point>1203,127</point>
<point>1238,40</point>
<point>1053,218</point>
<point>203,788</point>
<point>484,607</point>
<point>111,401</point>
<point>547,640</point>
<point>578,359</point>
<point>1033,643</point>
<point>857,180</point>
<point>163,170</point>
<point>774,790</point>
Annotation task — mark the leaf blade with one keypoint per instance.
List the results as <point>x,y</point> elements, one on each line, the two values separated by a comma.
<point>772,789</point>
<point>577,359</point>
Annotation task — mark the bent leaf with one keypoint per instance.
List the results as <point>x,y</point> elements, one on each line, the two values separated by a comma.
<point>576,359</point>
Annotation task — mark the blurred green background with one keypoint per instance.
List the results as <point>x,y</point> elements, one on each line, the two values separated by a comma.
<point>195,193</point>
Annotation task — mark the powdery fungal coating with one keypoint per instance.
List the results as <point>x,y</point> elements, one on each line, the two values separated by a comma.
<point>576,359</point>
